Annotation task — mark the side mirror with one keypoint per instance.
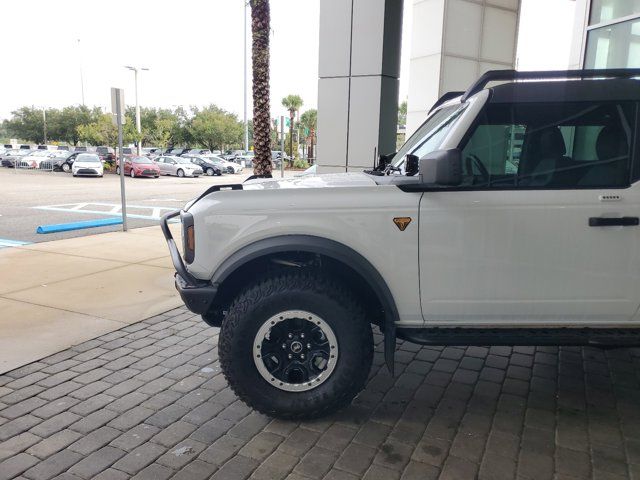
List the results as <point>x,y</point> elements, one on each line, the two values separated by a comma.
<point>442,167</point>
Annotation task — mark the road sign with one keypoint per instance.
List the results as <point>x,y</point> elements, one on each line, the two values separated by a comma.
<point>114,104</point>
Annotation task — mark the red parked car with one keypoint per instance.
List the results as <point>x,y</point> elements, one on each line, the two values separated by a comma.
<point>140,167</point>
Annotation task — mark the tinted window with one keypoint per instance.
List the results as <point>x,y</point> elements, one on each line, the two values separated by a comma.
<point>573,145</point>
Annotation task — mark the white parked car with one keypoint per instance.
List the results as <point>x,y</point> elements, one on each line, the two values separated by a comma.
<point>510,217</point>
<point>87,164</point>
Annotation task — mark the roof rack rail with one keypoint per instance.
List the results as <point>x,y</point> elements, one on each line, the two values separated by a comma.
<point>445,98</point>
<point>513,75</point>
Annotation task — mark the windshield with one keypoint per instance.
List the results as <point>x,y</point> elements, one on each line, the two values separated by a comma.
<point>87,158</point>
<point>143,160</point>
<point>182,160</point>
<point>430,135</point>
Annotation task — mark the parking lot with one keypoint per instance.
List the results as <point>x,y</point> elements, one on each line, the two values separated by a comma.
<point>32,198</point>
<point>149,402</point>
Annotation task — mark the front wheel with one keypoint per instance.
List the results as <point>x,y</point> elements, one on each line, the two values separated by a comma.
<point>210,172</point>
<point>132,173</point>
<point>296,345</point>
<point>180,173</point>
<point>117,170</point>
<point>66,168</point>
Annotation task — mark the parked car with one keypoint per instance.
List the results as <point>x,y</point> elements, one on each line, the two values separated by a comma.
<point>64,147</point>
<point>63,160</point>
<point>197,151</point>
<point>178,166</point>
<point>151,151</point>
<point>81,149</point>
<point>443,243</point>
<point>225,165</point>
<point>87,164</point>
<point>176,151</point>
<point>140,167</point>
<point>106,154</point>
<point>208,167</point>
<point>37,159</point>
<point>13,156</point>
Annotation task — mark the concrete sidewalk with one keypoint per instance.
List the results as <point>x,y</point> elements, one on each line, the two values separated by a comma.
<point>57,294</point>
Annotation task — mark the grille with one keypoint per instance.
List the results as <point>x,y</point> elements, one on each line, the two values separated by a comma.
<point>86,171</point>
<point>149,172</point>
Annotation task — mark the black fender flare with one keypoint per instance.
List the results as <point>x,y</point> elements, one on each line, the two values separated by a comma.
<point>329,248</point>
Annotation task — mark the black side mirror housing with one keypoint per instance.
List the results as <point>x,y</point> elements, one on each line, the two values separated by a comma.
<point>442,168</point>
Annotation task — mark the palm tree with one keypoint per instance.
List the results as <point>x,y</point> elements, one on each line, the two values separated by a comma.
<point>309,120</point>
<point>260,28</point>
<point>293,104</point>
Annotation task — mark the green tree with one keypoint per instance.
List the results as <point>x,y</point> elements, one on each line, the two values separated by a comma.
<point>309,122</point>
<point>260,30</point>
<point>27,124</point>
<point>215,128</point>
<point>293,103</point>
<point>100,132</point>
<point>63,125</point>
<point>402,113</point>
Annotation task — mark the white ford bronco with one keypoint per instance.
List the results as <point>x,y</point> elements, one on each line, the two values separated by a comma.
<point>509,218</point>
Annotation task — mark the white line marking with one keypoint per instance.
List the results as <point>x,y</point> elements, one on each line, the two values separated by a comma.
<point>5,243</point>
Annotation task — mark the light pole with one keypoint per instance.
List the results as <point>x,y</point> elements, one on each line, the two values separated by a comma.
<point>138,126</point>
<point>81,74</point>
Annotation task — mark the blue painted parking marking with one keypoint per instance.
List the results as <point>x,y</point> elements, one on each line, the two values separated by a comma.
<point>6,243</point>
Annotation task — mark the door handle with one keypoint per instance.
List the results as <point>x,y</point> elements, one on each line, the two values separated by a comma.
<point>614,222</point>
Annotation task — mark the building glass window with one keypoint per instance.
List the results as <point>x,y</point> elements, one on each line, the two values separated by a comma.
<point>608,10</point>
<point>614,46</point>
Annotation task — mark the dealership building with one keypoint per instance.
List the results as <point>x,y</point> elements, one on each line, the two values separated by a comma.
<point>452,43</point>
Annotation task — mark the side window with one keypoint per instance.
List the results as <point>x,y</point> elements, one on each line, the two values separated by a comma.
<point>570,145</point>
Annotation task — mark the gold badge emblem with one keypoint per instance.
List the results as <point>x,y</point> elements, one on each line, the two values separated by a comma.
<point>402,222</point>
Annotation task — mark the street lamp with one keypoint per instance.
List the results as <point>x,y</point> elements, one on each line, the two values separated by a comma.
<point>135,71</point>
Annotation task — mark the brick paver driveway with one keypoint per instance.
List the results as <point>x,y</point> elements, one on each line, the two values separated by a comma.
<point>149,401</point>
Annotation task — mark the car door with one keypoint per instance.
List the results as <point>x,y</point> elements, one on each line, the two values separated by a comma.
<point>543,229</point>
<point>162,165</point>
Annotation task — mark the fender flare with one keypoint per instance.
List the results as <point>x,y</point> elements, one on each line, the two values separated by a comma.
<point>329,248</point>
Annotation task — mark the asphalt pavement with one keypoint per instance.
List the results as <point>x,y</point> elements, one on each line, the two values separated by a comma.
<point>32,198</point>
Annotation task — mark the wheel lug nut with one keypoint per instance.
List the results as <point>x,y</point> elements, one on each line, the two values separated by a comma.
<point>302,335</point>
<point>290,356</point>
<point>290,335</point>
<point>284,346</point>
<point>308,346</point>
<point>302,356</point>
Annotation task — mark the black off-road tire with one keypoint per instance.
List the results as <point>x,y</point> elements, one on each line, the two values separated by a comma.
<point>314,293</point>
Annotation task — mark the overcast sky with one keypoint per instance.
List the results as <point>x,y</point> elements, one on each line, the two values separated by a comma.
<point>194,50</point>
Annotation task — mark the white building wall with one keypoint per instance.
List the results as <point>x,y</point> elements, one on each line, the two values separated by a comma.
<point>453,43</point>
<point>576,57</point>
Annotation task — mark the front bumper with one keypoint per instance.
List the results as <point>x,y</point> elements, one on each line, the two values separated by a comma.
<point>196,294</point>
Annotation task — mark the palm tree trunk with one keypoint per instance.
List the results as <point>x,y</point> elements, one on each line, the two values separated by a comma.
<point>260,28</point>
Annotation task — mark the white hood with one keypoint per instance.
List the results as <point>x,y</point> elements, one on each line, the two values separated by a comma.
<point>329,180</point>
